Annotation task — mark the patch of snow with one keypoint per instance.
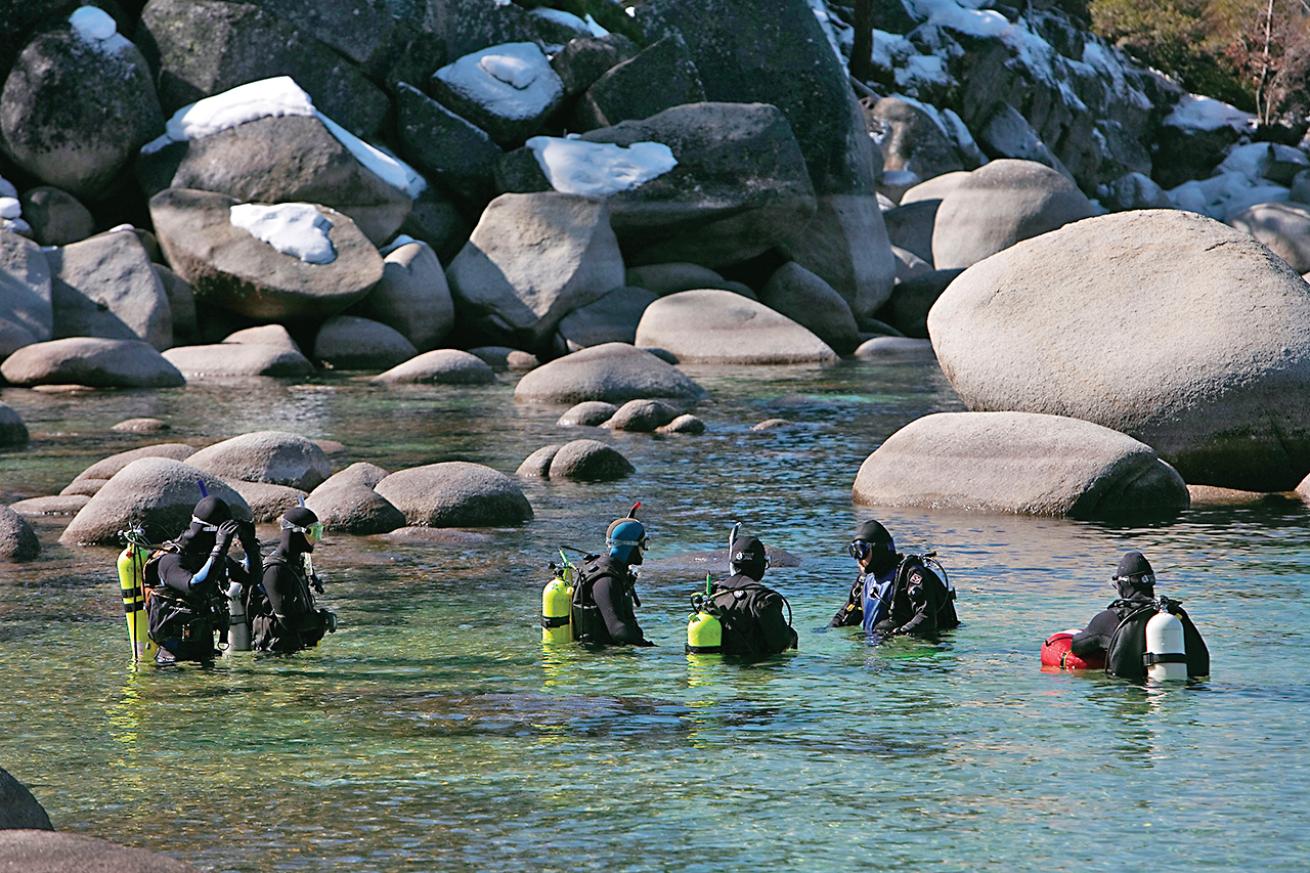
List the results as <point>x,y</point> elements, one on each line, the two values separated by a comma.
<point>595,26</point>
<point>16,225</point>
<point>889,49</point>
<point>97,29</point>
<point>513,81</point>
<point>596,169</point>
<point>1225,194</point>
<point>400,241</point>
<point>901,179</point>
<point>295,229</point>
<point>1198,112</point>
<point>562,18</point>
<point>985,23</point>
<point>631,11</point>
<point>824,17</point>
<point>383,164</point>
<point>922,69</point>
<point>1253,160</point>
<point>10,208</point>
<point>7,188</point>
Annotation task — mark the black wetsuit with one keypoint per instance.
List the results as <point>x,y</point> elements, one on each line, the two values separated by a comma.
<point>605,605</point>
<point>769,633</point>
<point>921,603</point>
<point>183,618</point>
<point>1093,640</point>
<point>283,615</point>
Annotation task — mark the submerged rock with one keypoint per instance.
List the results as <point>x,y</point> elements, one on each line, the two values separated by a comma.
<point>683,424</point>
<point>440,367</point>
<point>347,502</point>
<point>456,494</point>
<point>537,464</point>
<point>18,543</point>
<point>590,413</point>
<point>642,416</point>
<point>589,461</point>
<point>141,425</point>
<point>13,432</point>
<point>614,372</point>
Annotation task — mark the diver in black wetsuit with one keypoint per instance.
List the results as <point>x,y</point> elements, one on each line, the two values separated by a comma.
<point>1135,581</point>
<point>605,597</point>
<point>283,615</point>
<point>187,582</point>
<point>751,613</point>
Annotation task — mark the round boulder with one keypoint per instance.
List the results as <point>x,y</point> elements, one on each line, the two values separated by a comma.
<point>894,348</point>
<point>108,467</point>
<point>614,372</point>
<point>1175,329</point>
<point>503,358</point>
<point>1019,462</point>
<point>17,543</point>
<point>95,363</point>
<point>56,506</point>
<point>141,425</point>
<point>157,493</point>
<point>589,461</point>
<point>347,502</point>
<point>42,851</point>
<point>718,327</point>
<point>591,413</point>
<point>267,502</point>
<point>1284,227</point>
<point>683,424</point>
<point>1000,204</point>
<point>812,303</point>
<point>440,367</point>
<point>348,342</point>
<point>18,808</point>
<point>57,217</point>
<point>642,416</point>
<point>266,456</point>
<point>231,360</point>
<point>412,297</point>
<point>13,432</point>
<point>456,494</point>
<point>537,464</point>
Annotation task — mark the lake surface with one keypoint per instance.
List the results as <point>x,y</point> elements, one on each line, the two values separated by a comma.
<point>433,733</point>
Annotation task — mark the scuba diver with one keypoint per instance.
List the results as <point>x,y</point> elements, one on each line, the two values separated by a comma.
<point>749,613</point>
<point>1119,634</point>
<point>894,594</point>
<point>605,596</point>
<point>283,616</point>
<point>186,583</point>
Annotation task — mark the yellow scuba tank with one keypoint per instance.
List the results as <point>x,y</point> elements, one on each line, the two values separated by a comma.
<point>704,630</point>
<point>557,603</point>
<point>131,581</point>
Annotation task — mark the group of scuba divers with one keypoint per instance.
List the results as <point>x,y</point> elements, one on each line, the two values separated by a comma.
<point>1139,636</point>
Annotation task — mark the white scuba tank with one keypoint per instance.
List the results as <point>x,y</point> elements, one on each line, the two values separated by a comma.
<point>1166,654</point>
<point>238,633</point>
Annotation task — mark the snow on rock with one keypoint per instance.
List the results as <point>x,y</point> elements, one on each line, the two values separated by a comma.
<point>825,19</point>
<point>594,169</point>
<point>514,80</point>
<point>560,17</point>
<point>97,29</point>
<point>274,98</point>
<point>1197,112</point>
<point>1226,194</point>
<point>596,28</point>
<point>1255,159</point>
<point>296,229</point>
<point>10,208</point>
<point>401,240</point>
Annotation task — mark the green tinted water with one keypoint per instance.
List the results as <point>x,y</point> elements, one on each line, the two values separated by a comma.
<point>433,733</point>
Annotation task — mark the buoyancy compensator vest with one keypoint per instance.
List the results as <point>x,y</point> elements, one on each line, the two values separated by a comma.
<point>1127,655</point>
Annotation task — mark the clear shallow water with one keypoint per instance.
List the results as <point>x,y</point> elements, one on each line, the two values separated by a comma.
<point>432,733</point>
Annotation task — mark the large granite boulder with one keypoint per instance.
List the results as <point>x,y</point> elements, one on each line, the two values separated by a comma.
<point>77,105</point>
<point>13,432</point>
<point>999,205</point>
<point>934,190</point>
<point>440,367</point>
<point>1018,462</point>
<point>507,90</point>
<point>96,363</point>
<point>449,148</point>
<point>347,502</point>
<point>413,296</point>
<point>280,159</point>
<point>719,327</point>
<point>18,543</point>
<point>107,468</point>
<point>611,319</point>
<point>26,308</point>
<point>45,851</point>
<point>532,259</point>
<point>625,91</point>
<point>157,493</point>
<point>456,494</point>
<point>614,373</point>
<point>57,217</point>
<point>267,501</point>
<point>231,268</point>
<point>19,810</point>
<point>266,456</point>
<point>106,286</point>
<point>239,360</point>
<point>812,303</point>
<point>1172,328</point>
<point>348,342</point>
<point>206,47</point>
<point>1284,227</point>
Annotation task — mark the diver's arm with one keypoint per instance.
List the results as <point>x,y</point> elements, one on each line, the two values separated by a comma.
<point>1093,639</point>
<point>853,612</point>
<point>623,631</point>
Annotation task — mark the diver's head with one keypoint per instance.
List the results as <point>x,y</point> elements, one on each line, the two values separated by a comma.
<point>626,540</point>
<point>873,548</point>
<point>747,556</point>
<point>301,529</point>
<point>1134,576</point>
<point>206,517</point>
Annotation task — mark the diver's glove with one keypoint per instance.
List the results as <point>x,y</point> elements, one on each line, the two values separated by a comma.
<point>227,531</point>
<point>329,620</point>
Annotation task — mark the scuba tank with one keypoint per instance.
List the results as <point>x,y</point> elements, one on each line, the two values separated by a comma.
<point>238,632</point>
<point>704,630</point>
<point>557,603</point>
<point>131,582</point>
<point>1166,654</point>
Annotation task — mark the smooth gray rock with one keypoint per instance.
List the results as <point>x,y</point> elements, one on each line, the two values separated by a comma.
<point>96,363</point>
<point>280,159</point>
<point>107,287</point>
<point>503,358</point>
<point>507,90</point>
<point>18,543</point>
<point>358,475</point>
<point>82,488</point>
<point>57,217</point>
<point>229,360</point>
<point>413,296</point>
<point>1192,342</point>
<point>683,424</point>
<point>347,502</point>
<point>456,494</point>
<point>910,225</point>
<point>231,269</point>
<point>589,461</point>
<point>611,319</point>
<point>671,278</point>
<point>440,367</point>
<point>437,220</point>
<point>13,432</point>
<point>141,425</point>
<point>1019,462</point>
<point>589,413</point>
<point>642,416</point>
<point>1000,204</point>
<point>909,265</point>
<point>846,245</point>
<point>532,259</point>
<point>614,372</point>
<point>934,189</point>
<point>812,303</point>
<point>49,507</point>
<point>42,851</point>
<point>537,464</point>
<point>74,112</point>
<point>266,456</point>
<point>267,501</point>
<point>446,146</point>
<point>26,308</point>
<point>719,327</point>
<point>19,810</point>
<point>158,493</point>
<point>1284,227</point>
<point>348,342</point>
<point>895,348</point>
<point>106,468</point>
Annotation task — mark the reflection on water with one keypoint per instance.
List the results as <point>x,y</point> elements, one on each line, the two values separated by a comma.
<point>433,733</point>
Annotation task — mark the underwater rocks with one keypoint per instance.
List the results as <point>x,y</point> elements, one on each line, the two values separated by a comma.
<point>18,542</point>
<point>13,432</point>
<point>43,851</point>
